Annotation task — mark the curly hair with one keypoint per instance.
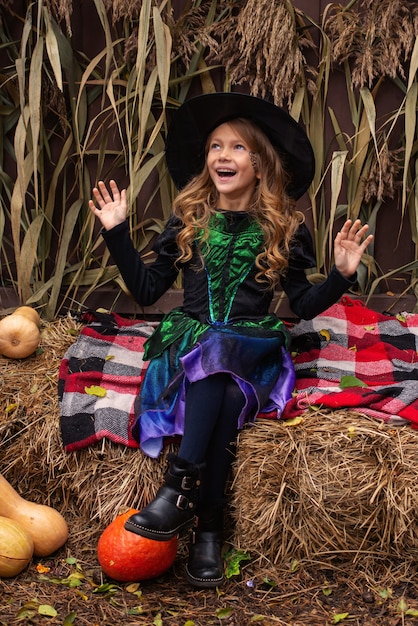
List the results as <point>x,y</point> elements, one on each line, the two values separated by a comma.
<point>270,205</point>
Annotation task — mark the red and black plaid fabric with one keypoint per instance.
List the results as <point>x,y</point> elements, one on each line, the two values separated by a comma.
<point>347,357</point>
<point>352,357</point>
<point>99,381</point>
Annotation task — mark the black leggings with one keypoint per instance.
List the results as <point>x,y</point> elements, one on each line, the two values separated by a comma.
<point>213,406</point>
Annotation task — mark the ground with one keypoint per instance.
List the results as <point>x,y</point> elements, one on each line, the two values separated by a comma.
<point>70,588</point>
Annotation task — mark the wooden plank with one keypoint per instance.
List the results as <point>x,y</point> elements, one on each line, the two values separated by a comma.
<point>111,299</point>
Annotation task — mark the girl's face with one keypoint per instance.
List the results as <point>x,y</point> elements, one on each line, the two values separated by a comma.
<point>230,168</point>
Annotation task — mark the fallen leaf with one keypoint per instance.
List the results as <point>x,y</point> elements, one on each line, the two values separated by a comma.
<point>233,560</point>
<point>294,421</point>
<point>351,432</point>
<point>42,569</point>
<point>351,381</point>
<point>47,610</point>
<point>69,619</point>
<point>95,390</point>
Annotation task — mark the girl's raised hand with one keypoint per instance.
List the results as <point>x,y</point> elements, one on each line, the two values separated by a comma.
<point>111,205</point>
<point>349,246</point>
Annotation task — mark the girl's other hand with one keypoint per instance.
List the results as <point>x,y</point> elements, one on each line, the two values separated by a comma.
<point>349,246</point>
<point>111,206</point>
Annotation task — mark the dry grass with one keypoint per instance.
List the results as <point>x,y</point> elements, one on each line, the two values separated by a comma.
<point>263,48</point>
<point>339,486</point>
<point>376,35</point>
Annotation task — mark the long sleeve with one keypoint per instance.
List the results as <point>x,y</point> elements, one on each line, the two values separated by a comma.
<point>147,283</point>
<point>307,300</point>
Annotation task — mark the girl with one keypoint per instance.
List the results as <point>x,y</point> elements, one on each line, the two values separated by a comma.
<point>240,163</point>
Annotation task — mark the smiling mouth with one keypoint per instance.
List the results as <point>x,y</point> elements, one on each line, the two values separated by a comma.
<point>224,173</point>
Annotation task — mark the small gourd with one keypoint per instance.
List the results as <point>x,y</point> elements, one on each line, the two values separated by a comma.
<point>127,557</point>
<point>19,336</point>
<point>16,548</point>
<point>47,527</point>
<point>29,312</point>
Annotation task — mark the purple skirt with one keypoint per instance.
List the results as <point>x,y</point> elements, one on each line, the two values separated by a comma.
<point>257,361</point>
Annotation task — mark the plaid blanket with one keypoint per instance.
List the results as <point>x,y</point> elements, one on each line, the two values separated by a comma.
<point>99,381</point>
<point>347,357</point>
<point>352,357</point>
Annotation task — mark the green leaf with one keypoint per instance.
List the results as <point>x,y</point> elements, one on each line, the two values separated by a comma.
<point>69,619</point>
<point>351,381</point>
<point>73,580</point>
<point>136,610</point>
<point>158,621</point>
<point>95,390</point>
<point>233,560</point>
<point>107,588</point>
<point>402,605</point>
<point>223,613</point>
<point>412,612</point>
<point>339,617</point>
<point>28,610</point>
<point>385,593</point>
<point>48,610</point>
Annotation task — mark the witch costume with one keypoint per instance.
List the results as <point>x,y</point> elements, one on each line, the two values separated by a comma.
<point>224,323</point>
<point>223,339</point>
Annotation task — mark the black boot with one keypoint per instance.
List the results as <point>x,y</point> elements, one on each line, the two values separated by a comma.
<point>173,508</point>
<point>204,567</point>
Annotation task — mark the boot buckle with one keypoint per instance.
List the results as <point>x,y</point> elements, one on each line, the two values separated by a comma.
<point>187,483</point>
<point>182,503</point>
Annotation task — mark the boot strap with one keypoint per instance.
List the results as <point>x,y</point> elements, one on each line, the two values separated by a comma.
<point>184,503</point>
<point>185,483</point>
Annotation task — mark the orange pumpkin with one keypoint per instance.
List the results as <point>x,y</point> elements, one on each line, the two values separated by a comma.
<point>126,557</point>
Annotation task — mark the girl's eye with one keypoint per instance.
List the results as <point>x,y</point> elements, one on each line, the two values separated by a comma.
<point>214,146</point>
<point>239,146</point>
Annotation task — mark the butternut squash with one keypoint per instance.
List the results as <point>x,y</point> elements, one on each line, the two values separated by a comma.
<point>16,548</point>
<point>46,525</point>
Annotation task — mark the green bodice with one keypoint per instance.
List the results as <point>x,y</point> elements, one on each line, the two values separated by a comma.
<point>229,257</point>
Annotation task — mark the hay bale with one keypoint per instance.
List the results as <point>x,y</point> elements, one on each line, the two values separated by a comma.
<point>88,487</point>
<point>338,484</point>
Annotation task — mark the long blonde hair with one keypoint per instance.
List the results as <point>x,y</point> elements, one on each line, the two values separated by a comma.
<point>270,206</point>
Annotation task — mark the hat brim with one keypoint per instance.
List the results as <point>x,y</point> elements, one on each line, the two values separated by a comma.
<point>198,117</point>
